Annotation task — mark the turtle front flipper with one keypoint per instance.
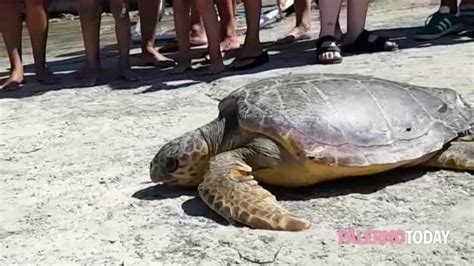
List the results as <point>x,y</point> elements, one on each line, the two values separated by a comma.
<point>459,155</point>
<point>230,190</point>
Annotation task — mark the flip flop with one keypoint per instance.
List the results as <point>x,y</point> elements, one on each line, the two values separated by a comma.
<point>291,39</point>
<point>255,61</point>
<point>12,86</point>
<point>160,64</point>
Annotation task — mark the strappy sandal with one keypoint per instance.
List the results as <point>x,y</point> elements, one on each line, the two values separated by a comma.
<point>327,44</point>
<point>368,42</point>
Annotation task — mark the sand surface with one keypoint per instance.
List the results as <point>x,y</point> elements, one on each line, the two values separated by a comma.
<point>74,181</point>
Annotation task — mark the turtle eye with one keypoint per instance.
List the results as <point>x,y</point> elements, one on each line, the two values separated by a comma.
<point>171,165</point>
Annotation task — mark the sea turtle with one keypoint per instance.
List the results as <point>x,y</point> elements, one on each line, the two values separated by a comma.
<point>301,129</point>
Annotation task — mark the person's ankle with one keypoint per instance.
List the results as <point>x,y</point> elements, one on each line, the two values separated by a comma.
<point>16,75</point>
<point>17,70</point>
<point>253,47</point>
<point>448,10</point>
<point>41,68</point>
<point>197,28</point>
<point>230,35</point>
<point>304,27</point>
<point>147,49</point>
<point>326,34</point>
<point>91,66</point>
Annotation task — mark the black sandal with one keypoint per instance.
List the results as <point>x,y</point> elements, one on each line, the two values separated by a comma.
<point>368,42</point>
<point>327,44</point>
<point>254,61</point>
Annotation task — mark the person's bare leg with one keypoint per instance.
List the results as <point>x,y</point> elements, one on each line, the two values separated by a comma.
<point>182,23</point>
<point>228,34</point>
<point>338,31</point>
<point>211,24</point>
<point>466,14</point>
<point>148,10</point>
<point>302,29</point>
<point>252,46</point>
<point>329,14</point>
<point>89,13</point>
<point>466,2</point>
<point>119,10</point>
<point>11,27</point>
<point>37,23</point>
<point>356,15</point>
<point>197,34</point>
<point>452,4</point>
<point>196,31</point>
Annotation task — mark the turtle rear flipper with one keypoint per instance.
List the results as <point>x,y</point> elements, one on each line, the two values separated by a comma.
<point>230,190</point>
<point>459,155</point>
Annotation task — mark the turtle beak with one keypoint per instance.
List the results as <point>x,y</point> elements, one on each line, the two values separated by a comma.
<point>157,176</point>
<point>154,173</point>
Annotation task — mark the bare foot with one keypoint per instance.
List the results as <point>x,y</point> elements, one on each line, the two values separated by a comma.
<point>181,68</point>
<point>44,75</point>
<point>151,57</point>
<point>298,33</point>
<point>89,75</point>
<point>227,45</point>
<point>197,36</point>
<point>13,82</point>
<point>172,46</point>
<point>230,43</point>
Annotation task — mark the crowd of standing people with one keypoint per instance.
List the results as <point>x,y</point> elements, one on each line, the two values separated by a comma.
<point>197,22</point>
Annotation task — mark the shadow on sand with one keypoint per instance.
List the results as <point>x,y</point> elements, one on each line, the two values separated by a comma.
<point>352,185</point>
<point>282,56</point>
<point>193,207</point>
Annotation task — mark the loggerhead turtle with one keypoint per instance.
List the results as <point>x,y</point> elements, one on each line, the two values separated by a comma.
<point>298,130</point>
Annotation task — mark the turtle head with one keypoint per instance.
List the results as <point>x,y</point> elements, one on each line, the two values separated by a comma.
<point>181,161</point>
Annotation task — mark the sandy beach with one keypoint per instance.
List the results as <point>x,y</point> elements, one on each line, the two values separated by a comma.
<point>74,176</point>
